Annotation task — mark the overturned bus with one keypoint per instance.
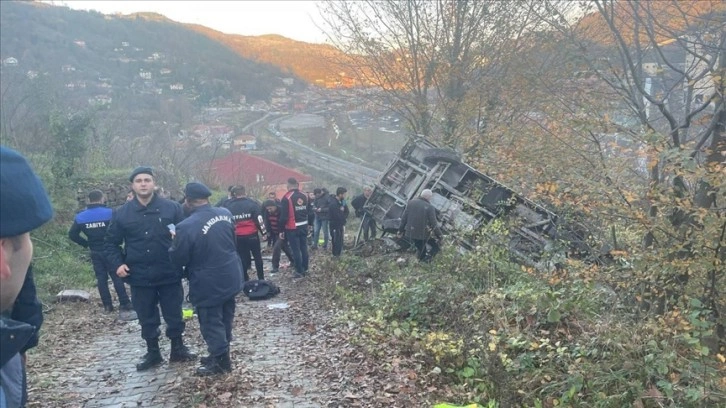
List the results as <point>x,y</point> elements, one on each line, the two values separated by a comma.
<point>466,201</point>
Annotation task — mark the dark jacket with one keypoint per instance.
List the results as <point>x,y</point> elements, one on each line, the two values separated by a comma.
<point>294,210</point>
<point>13,337</point>
<point>18,333</point>
<point>146,239</point>
<point>358,202</point>
<point>419,220</point>
<point>28,309</point>
<point>272,220</point>
<point>320,206</point>
<point>246,215</point>
<point>91,222</point>
<point>338,212</point>
<point>205,245</point>
<point>222,201</point>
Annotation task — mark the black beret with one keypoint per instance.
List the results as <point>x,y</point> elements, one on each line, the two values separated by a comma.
<point>141,170</point>
<point>195,191</point>
<point>24,204</point>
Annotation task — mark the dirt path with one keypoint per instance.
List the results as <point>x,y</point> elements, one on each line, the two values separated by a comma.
<point>286,354</point>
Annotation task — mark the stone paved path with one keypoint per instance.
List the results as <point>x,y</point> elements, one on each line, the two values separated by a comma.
<point>267,352</point>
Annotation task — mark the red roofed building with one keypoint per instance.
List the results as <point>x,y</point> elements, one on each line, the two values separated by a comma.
<point>255,173</point>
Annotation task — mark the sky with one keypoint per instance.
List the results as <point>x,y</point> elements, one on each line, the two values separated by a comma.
<point>292,19</point>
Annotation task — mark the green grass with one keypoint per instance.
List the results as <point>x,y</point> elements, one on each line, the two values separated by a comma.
<point>58,263</point>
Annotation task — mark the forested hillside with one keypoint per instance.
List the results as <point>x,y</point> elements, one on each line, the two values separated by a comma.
<point>140,53</point>
<point>315,63</point>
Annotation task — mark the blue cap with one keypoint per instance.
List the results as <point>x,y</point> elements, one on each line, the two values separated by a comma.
<point>24,204</point>
<point>195,191</point>
<point>141,170</point>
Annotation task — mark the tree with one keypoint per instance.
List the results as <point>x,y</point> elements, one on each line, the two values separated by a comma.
<point>437,62</point>
<point>663,63</point>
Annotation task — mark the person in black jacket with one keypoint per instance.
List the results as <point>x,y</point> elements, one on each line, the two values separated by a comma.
<point>338,212</point>
<point>93,223</point>
<point>222,200</point>
<point>272,223</point>
<point>368,224</point>
<point>205,244</point>
<point>24,206</point>
<point>419,224</point>
<point>271,196</point>
<point>294,218</point>
<point>320,208</point>
<point>247,216</point>
<point>145,226</point>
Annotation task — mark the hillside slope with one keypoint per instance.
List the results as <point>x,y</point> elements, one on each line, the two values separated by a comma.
<point>314,63</point>
<point>142,52</point>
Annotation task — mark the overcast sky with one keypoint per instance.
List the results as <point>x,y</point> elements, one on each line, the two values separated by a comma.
<point>292,19</point>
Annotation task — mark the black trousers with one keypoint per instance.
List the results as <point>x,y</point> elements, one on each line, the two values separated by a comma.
<point>215,324</point>
<point>103,269</point>
<point>369,227</point>
<point>423,253</point>
<point>278,246</point>
<point>248,247</point>
<point>146,301</point>
<point>336,236</point>
<point>298,240</point>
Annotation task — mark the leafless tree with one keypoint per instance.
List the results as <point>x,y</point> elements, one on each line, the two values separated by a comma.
<point>438,62</point>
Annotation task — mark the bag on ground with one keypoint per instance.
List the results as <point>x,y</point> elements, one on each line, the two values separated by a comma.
<point>260,289</point>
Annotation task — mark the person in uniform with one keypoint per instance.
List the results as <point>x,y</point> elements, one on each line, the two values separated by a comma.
<point>294,218</point>
<point>93,223</point>
<point>145,227</point>
<point>247,216</point>
<point>24,206</point>
<point>205,245</point>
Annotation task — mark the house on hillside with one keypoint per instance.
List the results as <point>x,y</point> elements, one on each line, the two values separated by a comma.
<point>244,142</point>
<point>258,175</point>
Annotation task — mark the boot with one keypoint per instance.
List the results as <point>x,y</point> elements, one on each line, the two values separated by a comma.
<point>206,360</point>
<point>216,365</point>
<point>180,352</point>
<point>152,358</point>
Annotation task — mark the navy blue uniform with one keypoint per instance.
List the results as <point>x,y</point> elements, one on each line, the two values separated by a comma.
<point>18,332</point>
<point>93,223</point>
<point>154,280</point>
<point>205,245</point>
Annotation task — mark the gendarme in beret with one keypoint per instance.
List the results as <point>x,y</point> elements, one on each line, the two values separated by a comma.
<point>141,170</point>
<point>24,204</point>
<point>196,191</point>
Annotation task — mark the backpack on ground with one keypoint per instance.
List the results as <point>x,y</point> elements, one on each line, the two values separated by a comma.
<point>260,289</point>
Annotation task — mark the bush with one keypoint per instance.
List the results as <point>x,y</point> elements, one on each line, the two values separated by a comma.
<point>524,338</point>
<point>58,263</point>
